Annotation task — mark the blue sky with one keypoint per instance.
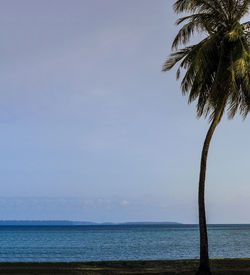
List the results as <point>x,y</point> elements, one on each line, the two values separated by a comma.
<point>91,129</point>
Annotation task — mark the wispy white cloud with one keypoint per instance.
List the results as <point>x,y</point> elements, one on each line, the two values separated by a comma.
<point>124,202</point>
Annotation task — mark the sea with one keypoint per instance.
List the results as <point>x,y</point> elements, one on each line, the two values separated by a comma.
<point>119,242</point>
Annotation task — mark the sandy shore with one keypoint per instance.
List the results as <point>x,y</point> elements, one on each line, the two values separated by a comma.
<point>219,266</point>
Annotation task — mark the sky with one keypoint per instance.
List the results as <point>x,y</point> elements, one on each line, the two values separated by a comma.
<point>92,130</point>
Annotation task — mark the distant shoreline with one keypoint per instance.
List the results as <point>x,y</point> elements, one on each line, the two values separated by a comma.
<point>72,223</point>
<point>86,223</point>
<point>218,266</point>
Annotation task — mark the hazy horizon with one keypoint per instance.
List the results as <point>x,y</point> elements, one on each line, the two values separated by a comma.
<point>115,223</point>
<point>91,129</point>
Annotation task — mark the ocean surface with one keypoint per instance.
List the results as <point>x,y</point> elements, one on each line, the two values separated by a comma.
<point>119,242</point>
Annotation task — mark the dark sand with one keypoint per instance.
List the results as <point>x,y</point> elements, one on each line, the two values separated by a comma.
<point>218,266</point>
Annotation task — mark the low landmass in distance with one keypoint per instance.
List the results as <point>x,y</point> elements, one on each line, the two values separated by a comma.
<point>66,222</point>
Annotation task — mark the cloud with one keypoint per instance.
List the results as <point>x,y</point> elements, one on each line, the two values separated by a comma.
<point>124,202</point>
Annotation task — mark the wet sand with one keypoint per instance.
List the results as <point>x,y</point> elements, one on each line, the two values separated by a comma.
<point>218,266</point>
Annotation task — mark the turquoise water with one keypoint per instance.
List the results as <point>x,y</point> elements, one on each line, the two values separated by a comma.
<point>119,242</point>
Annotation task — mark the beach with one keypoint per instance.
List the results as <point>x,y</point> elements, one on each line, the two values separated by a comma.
<point>185,267</point>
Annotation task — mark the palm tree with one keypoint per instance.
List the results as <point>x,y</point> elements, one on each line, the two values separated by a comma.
<point>216,74</point>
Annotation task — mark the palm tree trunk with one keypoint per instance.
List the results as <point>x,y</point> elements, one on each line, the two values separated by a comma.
<point>204,267</point>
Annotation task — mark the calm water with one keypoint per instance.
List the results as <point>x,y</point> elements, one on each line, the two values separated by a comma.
<point>119,242</point>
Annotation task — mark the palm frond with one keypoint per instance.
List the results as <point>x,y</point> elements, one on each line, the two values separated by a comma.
<point>247,25</point>
<point>174,58</point>
<point>217,68</point>
<point>184,5</point>
<point>241,9</point>
<point>185,33</point>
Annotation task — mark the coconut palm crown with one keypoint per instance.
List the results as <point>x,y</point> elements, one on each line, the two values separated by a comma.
<point>217,68</point>
<point>216,73</point>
